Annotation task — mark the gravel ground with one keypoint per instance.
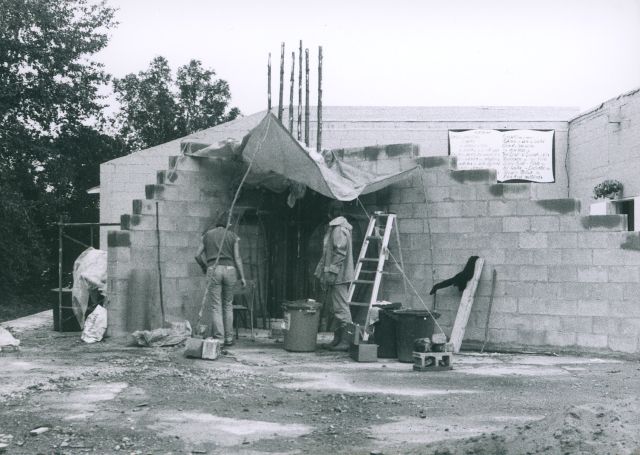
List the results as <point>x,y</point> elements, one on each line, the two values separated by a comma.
<point>259,399</point>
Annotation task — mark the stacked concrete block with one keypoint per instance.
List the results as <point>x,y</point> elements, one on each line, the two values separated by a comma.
<point>162,232</point>
<point>564,281</point>
<point>604,144</point>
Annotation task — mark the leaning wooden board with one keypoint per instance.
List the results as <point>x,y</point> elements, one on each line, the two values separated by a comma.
<point>464,310</point>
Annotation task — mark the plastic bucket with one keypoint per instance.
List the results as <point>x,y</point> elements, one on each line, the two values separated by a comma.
<point>412,324</point>
<point>301,320</point>
<point>385,335</point>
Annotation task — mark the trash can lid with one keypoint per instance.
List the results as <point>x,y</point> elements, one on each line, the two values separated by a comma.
<point>306,304</point>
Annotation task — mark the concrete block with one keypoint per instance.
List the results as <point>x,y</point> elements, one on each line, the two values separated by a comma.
<point>562,240</point>
<point>436,225</point>
<point>624,274</point>
<point>518,289</point>
<point>448,209</point>
<point>118,239</point>
<point>505,304</point>
<point>488,224</point>
<point>630,292</point>
<point>577,256</point>
<point>547,257</point>
<point>506,240</point>
<point>560,307</point>
<point>624,344</point>
<point>475,208</point>
<point>411,225</point>
<point>601,291</point>
<point>462,192</point>
<point>596,240</point>
<point>545,223</point>
<point>592,341</point>
<point>429,162</point>
<point>516,224</point>
<point>518,256</point>
<point>439,194</point>
<point>474,176</point>
<point>462,224</point>
<point>589,274</point>
<point>533,273</point>
<point>604,222</point>
<point>503,208</point>
<point>119,254</point>
<point>563,273</point>
<point>607,257</point>
<point>409,195</point>
<point>560,338</point>
<point>533,240</point>
<point>547,291</point>
<point>593,307</point>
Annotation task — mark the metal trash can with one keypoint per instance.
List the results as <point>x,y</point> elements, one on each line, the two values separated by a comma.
<point>410,325</point>
<point>301,318</point>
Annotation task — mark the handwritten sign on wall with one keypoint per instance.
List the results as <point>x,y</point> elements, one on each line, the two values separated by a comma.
<point>514,154</point>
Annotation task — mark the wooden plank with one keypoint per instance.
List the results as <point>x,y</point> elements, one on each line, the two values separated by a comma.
<point>464,310</point>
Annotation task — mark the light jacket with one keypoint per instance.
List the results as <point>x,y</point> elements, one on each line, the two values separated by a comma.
<point>337,255</point>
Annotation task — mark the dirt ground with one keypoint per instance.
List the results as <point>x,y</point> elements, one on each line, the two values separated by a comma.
<point>260,399</point>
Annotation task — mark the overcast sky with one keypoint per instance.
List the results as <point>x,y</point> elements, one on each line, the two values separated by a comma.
<point>395,53</point>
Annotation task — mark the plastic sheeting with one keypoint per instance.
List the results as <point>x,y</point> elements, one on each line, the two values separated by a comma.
<point>277,159</point>
<point>89,275</point>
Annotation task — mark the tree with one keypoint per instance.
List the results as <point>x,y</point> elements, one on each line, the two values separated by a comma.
<point>48,98</point>
<point>155,108</point>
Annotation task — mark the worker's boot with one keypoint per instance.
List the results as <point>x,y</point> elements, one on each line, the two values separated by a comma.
<point>343,344</point>
<point>337,334</point>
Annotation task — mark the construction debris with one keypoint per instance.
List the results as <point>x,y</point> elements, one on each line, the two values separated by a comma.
<point>176,333</point>
<point>7,341</point>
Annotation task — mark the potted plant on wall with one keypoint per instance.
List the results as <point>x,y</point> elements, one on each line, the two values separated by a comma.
<point>611,189</point>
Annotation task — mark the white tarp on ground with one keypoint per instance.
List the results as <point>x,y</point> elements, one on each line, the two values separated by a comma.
<point>277,160</point>
<point>89,276</point>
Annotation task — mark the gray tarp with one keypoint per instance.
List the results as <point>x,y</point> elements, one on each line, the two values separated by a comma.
<point>277,159</point>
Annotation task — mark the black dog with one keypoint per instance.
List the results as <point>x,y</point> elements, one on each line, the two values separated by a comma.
<point>460,280</point>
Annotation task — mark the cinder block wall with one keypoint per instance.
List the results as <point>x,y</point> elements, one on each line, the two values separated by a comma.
<point>604,143</point>
<point>564,281</point>
<point>123,179</point>
<point>188,201</point>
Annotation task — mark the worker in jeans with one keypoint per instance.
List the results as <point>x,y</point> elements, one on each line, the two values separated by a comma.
<point>219,257</point>
<point>335,271</point>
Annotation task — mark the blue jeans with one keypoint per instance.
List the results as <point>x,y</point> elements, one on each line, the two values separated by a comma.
<point>218,296</point>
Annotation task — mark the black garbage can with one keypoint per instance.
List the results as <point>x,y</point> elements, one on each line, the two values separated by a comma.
<point>412,324</point>
<point>385,335</point>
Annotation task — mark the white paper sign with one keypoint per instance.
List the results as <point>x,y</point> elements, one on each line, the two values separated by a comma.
<point>515,155</point>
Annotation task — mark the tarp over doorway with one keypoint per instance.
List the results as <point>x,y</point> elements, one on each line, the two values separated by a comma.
<point>277,159</point>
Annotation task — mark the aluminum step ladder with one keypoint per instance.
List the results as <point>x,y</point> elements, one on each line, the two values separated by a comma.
<point>379,231</point>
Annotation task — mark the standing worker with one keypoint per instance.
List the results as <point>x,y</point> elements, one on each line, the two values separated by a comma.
<point>223,265</point>
<point>335,271</point>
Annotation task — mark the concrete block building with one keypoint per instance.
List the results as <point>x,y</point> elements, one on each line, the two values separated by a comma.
<point>565,279</point>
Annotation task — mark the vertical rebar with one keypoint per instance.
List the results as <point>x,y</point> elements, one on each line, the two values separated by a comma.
<point>281,94</point>
<point>319,126</point>
<point>300,92</point>
<point>291,87</point>
<point>306,98</point>
<point>269,84</point>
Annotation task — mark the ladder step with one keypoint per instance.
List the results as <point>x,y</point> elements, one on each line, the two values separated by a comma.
<point>381,214</point>
<point>363,281</point>
<point>369,260</point>
<point>359,304</point>
<point>374,237</point>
